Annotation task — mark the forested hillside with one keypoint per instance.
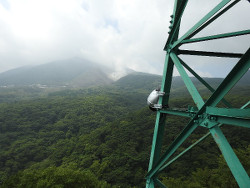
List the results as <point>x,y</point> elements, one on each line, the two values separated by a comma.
<point>101,137</point>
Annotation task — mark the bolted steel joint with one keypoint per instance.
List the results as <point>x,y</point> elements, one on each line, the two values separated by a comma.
<point>213,118</point>
<point>196,121</point>
<point>171,23</point>
<point>200,116</point>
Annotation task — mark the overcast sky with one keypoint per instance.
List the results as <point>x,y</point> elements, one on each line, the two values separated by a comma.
<point>118,33</point>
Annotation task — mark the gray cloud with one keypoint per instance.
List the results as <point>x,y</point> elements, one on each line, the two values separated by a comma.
<point>116,33</point>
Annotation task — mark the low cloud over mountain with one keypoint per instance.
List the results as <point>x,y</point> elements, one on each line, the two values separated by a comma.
<point>75,72</point>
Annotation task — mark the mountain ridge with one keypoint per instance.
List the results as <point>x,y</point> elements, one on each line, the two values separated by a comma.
<point>78,73</point>
<point>75,72</point>
<point>153,80</point>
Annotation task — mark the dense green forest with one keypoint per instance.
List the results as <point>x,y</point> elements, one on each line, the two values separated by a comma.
<point>101,137</point>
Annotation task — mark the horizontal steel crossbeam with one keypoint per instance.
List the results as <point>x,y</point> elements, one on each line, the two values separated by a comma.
<point>229,112</point>
<point>211,54</point>
<point>213,37</point>
<point>175,112</point>
<point>241,122</point>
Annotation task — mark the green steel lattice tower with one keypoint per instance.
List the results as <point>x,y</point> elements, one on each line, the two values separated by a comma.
<point>205,114</point>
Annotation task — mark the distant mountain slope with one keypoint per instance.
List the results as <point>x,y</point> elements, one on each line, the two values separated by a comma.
<point>74,72</point>
<point>150,81</point>
<point>138,80</point>
<point>144,83</point>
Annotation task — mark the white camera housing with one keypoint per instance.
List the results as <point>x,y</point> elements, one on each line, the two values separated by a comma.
<point>153,99</point>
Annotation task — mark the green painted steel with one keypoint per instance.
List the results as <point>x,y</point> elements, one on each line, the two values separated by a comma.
<point>232,160</point>
<point>173,147</point>
<point>194,144</point>
<point>175,112</point>
<point>183,152</point>
<point>217,13</point>
<point>157,139</point>
<point>176,19</point>
<point>232,78</point>
<point>229,112</point>
<point>203,22</point>
<point>211,54</point>
<point>159,183</point>
<point>206,114</point>
<point>245,105</point>
<point>189,84</point>
<point>202,81</point>
<point>160,117</point>
<point>220,36</point>
<point>241,122</point>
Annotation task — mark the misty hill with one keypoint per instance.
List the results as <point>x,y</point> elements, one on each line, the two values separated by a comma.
<point>147,81</point>
<point>77,72</point>
<point>73,72</point>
